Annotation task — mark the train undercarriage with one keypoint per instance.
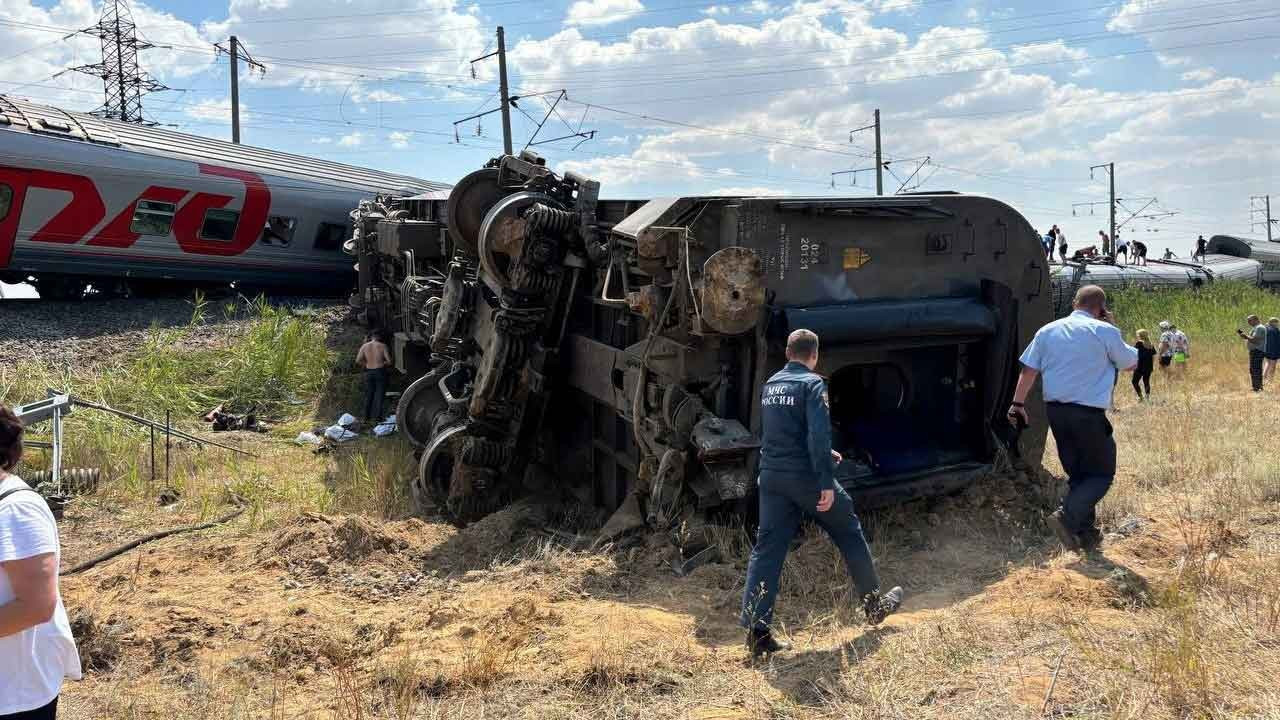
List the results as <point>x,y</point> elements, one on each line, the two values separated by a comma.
<point>558,340</point>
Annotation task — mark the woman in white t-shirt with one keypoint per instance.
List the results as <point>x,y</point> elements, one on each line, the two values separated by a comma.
<point>36,647</point>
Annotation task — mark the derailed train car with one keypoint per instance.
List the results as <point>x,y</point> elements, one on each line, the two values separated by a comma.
<point>1157,274</point>
<point>1266,254</point>
<point>561,340</point>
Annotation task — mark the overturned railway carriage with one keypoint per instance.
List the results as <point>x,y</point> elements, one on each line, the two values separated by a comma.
<point>1156,274</point>
<point>1266,254</point>
<point>620,346</point>
<point>86,201</point>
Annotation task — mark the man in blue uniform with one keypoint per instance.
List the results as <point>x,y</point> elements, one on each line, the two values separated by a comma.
<point>796,481</point>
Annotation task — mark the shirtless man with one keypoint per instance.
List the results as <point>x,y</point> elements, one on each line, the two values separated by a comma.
<point>375,358</point>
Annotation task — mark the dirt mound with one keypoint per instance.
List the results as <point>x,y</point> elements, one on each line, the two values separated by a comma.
<point>494,538</point>
<point>345,539</point>
<point>100,642</point>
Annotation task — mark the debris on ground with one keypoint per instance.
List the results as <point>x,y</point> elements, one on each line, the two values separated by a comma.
<point>223,421</point>
<point>306,437</point>
<point>1128,526</point>
<point>386,427</point>
<point>100,643</point>
<point>341,431</point>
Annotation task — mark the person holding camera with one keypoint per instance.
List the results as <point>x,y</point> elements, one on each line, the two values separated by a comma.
<point>1077,358</point>
<point>1256,341</point>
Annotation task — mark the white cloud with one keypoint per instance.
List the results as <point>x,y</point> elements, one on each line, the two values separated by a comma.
<point>1046,52</point>
<point>1200,75</point>
<point>399,140</point>
<point>1187,31</point>
<point>408,58</point>
<point>748,191</point>
<point>354,139</point>
<point>359,95</point>
<point>601,12</point>
<point>755,7</point>
<point>216,111</point>
<point>886,6</point>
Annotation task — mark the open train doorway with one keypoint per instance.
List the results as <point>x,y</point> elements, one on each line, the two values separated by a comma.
<point>896,413</point>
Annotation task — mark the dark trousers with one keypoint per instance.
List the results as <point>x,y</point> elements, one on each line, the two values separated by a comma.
<point>375,389</point>
<point>1143,376</point>
<point>785,500</point>
<point>1255,368</point>
<point>1088,454</point>
<point>48,712</point>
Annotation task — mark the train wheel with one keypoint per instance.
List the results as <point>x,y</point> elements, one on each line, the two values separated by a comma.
<point>462,493</point>
<point>60,288</point>
<point>468,203</point>
<point>419,406</point>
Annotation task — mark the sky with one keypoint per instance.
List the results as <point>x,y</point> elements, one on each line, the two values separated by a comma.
<point>1012,99</point>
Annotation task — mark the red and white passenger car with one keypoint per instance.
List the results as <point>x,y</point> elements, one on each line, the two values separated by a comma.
<point>86,201</point>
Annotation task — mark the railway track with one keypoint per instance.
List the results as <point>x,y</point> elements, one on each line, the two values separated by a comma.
<point>92,332</point>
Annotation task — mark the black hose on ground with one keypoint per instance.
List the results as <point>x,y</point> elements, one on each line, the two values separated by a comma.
<point>148,538</point>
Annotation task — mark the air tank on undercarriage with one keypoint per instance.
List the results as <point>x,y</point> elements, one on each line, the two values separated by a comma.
<point>556,339</point>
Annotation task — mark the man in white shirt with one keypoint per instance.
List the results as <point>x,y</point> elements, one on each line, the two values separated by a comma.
<point>1077,358</point>
<point>36,647</point>
<point>1122,248</point>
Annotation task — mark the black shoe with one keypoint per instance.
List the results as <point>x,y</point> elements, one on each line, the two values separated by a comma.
<point>763,643</point>
<point>1091,540</point>
<point>878,607</point>
<point>1065,536</point>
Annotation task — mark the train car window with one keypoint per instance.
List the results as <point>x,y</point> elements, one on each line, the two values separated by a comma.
<point>278,231</point>
<point>330,236</point>
<point>219,225</point>
<point>6,199</point>
<point>151,217</point>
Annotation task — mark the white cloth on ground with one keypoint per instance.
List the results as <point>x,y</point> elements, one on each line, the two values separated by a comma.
<point>339,433</point>
<point>386,427</point>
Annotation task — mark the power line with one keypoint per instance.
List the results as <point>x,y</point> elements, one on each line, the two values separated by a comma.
<point>897,55</point>
<point>983,51</point>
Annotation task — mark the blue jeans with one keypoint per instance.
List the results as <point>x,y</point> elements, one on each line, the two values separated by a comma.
<point>1088,454</point>
<point>375,389</point>
<point>785,500</point>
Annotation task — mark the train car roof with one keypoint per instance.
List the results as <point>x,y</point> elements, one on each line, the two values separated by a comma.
<point>22,116</point>
<point>1244,247</point>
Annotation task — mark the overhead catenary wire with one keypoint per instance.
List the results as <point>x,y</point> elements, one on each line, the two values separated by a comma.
<point>312,39</point>
<point>1084,103</point>
<point>697,47</point>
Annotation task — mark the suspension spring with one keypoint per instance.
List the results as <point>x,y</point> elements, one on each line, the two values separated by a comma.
<point>485,453</point>
<point>528,281</point>
<point>542,218</point>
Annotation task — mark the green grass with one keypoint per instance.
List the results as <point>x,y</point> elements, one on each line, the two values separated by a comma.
<point>275,363</point>
<point>1209,315</point>
<point>278,361</point>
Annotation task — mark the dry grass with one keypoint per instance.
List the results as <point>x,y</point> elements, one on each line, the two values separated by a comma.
<point>1179,619</point>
